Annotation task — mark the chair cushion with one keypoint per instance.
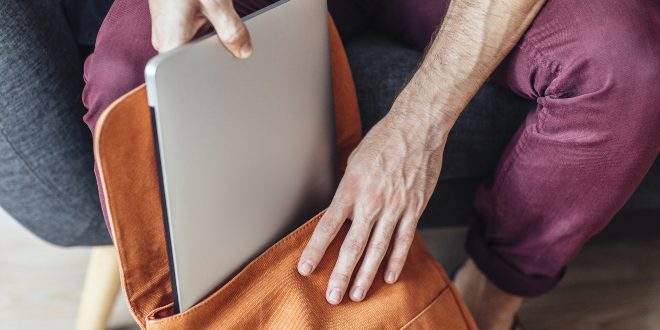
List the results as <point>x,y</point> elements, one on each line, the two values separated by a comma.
<point>46,178</point>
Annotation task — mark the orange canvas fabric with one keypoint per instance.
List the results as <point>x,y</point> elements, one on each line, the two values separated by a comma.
<point>268,293</point>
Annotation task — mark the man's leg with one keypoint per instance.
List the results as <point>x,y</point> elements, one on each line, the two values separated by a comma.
<point>579,156</point>
<point>593,68</point>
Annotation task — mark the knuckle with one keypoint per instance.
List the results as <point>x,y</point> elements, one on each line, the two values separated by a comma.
<point>234,36</point>
<point>326,226</point>
<point>396,203</point>
<point>368,214</point>
<point>350,180</point>
<point>365,277</point>
<point>396,262</point>
<point>379,246</point>
<point>340,277</point>
<point>354,246</point>
<point>391,227</point>
<point>372,204</point>
<point>407,235</point>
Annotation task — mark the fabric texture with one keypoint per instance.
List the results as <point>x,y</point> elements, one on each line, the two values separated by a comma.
<point>46,182</point>
<point>268,293</point>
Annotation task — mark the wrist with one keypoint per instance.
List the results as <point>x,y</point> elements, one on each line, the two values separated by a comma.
<point>417,123</point>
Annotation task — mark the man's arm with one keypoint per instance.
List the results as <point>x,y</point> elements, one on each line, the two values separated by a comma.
<point>474,38</point>
<point>392,173</point>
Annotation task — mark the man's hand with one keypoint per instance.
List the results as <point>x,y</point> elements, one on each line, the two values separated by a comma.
<point>392,173</point>
<point>388,182</point>
<point>175,22</point>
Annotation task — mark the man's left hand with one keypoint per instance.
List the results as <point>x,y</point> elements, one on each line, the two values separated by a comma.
<point>388,181</point>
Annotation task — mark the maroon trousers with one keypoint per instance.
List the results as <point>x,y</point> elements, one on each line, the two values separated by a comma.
<point>593,68</point>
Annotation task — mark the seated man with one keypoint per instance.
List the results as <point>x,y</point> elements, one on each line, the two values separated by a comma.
<point>591,67</point>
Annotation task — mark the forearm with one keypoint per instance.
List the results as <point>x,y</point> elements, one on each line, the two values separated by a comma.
<point>474,38</point>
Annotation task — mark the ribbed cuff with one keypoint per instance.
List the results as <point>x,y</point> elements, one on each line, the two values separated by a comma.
<point>503,274</point>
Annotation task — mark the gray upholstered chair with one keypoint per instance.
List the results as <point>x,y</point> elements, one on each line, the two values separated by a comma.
<point>46,166</point>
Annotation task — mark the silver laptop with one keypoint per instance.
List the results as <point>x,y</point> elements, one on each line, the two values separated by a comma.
<point>246,147</point>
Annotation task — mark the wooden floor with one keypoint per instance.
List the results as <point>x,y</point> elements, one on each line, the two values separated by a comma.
<point>40,284</point>
<point>613,284</point>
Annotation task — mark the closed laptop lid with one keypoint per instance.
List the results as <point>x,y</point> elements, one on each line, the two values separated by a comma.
<point>246,147</point>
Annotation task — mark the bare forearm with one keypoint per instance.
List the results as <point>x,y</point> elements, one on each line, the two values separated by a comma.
<point>474,38</point>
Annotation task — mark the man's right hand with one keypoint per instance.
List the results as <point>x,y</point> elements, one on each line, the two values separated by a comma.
<point>175,22</point>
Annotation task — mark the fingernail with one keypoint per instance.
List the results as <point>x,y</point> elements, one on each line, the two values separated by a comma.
<point>305,268</point>
<point>390,277</point>
<point>335,296</point>
<point>358,293</point>
<point>245,51</point>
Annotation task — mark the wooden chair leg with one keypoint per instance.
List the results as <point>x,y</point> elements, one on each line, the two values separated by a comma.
<point>100,289</point>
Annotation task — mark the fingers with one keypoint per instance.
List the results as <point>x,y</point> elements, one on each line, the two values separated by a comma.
<point>349,255</point>
<point>228,25</point>
<point>324,233</point>
<point>176,22</point>
<point>405,233</point>
<point>376,249</point>
<point>173,23</point>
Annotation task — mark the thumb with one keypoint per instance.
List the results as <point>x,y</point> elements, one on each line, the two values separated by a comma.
<point>233,34</point>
